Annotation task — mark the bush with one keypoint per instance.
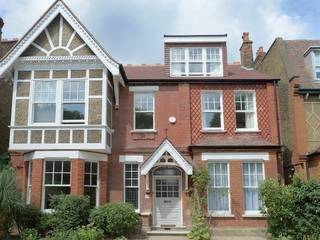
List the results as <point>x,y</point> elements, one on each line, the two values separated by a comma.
<point>28,217</point>
<point>9,199</point>
<point>69,212</point>
<point>88,233</point>
<point>29,234</point>
<point>115,219</point>
<point>61,235</point>
<point>292,211</point>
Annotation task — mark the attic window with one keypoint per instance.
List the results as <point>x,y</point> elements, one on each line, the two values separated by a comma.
<point>196,61</point>
<point>317,64</point>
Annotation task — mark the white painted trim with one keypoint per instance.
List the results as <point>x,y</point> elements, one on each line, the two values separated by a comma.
<point>143,88</point>
<point>208,129</point>
<point>166,146</point>
<point>92,156</point>
<point>131,158</point>
<point>219,156</point>
<point>195,39</point>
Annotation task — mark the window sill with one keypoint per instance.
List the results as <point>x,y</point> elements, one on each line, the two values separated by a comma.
<point>221,215</point>
<point>248,131</point>
<point>143,131</point>
<point>252,215</point>
<point>212,130</point>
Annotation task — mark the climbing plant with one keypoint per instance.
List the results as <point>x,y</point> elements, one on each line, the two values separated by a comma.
<point>200,229</point>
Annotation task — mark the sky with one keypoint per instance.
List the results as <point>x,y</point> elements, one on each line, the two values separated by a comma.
<point>132,30</point>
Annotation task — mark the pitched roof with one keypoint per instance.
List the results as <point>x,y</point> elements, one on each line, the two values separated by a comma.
<point>157,72</point>
<point>295,50</point>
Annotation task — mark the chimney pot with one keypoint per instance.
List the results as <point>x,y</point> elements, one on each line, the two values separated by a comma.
<point>245,37</point>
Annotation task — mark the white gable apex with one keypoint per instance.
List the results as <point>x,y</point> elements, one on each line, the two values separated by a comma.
<point>166,146</point>
<point>58,8</point>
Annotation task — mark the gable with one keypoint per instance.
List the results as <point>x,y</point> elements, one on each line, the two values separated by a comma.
<point>58,39</point>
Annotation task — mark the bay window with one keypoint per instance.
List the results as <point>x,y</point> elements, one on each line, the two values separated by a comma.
<point>253,174</point>
<point>218,188</point>
<point>246,116</point>
<point>44,101</point>
<point>144,111</point>
<point>91,182</point>
<point>73,100</point>
<point>211,105</point>
<point>131,184</point>
<point>56,180</point>
<point>196,61</point>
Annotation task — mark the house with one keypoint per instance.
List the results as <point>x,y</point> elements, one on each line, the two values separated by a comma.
<point>6,95</point>
<point>295,62</point>
<point>84,124</point>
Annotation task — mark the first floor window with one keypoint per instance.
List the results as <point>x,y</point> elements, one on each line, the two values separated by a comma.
<point>245,110</point>
<point>144,111</point>
<point>218,187</point>
<point>131,184</point>
<point>56,180</point>
<point>73,100</point>
<point>44,101</point>
<point>252,177</point>
<point>211,105</point>
<point>91,182</point>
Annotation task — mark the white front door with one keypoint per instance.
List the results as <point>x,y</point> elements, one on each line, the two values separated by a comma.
<point>167,201</point>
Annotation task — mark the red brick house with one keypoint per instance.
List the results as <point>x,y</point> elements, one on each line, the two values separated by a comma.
<point>83,124</point>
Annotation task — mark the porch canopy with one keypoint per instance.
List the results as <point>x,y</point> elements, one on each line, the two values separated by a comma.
<point>164,148</point>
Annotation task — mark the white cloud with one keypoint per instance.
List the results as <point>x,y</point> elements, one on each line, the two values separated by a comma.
<point>132,30</point>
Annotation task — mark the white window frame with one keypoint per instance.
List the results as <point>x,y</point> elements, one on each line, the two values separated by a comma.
<point>204,63</point>
<point>33,102</point>
<point>52,185</point>
<point>221,128</point>
<point>255,119</point>
<point>124,183</point>
<point>315,64</point>
<point>134,111</point>
<point>96,186</point>
<point>172,61</point>
<point>74,102</point>
<point>221,212</point>
<point>251,212</point>
<point>29,182</point>
<point>201,61</point>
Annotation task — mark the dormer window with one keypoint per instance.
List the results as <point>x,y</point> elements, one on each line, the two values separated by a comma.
<point>317,64</point>
<point>196,61</point>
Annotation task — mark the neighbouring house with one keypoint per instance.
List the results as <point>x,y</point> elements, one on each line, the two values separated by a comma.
<point>297,64</point>
<point>6,95</point>
<point>84,124</point>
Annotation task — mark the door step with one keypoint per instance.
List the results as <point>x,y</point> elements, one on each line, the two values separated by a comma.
<point>168,231</point>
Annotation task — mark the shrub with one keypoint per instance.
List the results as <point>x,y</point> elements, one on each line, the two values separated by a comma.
<point>61,235</point>
<point>28,217</point>
<point>9,199</point>
<point>115,219</point>
<point>88,233</point>
<point>29,234</point>
<point>295,207</point>
<point>69,212</point>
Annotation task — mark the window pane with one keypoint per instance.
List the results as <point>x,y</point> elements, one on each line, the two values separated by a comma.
<point>44,91</point>
<point>44,112</point>
<point>252,201</point>
<point>66,166</point>
<point>195,67</point>
<point>57,166</point>
<point>245,119</point>
<point>94,167</point>
<point>131,196</point>
<point>92,193</point>
<point>73,111</point>
<point>94,180</point>
<point>211,120</point>
<point>144,120</point>
<point>87,179</point>
<point>213,68</point>
<point>48,178</point>
<point>73,90</point>
<point>143,102</point>
<point>213,54</point>
<point>57,178</point>
<point>317,58</point>
<point>54,191</point>
<point>49,166</point>
<point>178,54</point>
<point>195,54</point>
<point>178,68</point>
<point>66,178</point>
<point>218,199</point>
<point>87,167</point>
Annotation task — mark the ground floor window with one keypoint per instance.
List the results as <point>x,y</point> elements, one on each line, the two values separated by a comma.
<point>131,184</point>
<point>91,182</point>
<point>253,174</point>
<point>29,182</point>
<point>56,179</point>
<point>218,188</point>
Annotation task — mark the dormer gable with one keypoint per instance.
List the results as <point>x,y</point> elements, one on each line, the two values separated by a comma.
<point>312,59</point>
<point>195,55</point>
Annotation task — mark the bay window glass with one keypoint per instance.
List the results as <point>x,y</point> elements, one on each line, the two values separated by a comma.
<point>56,179</point>
<point>195,61</point>
<point>144,111</point>
<point>245,110</point>
<point>213,61</point>
<point>252,177</point>
<point>131,184</point>
<point>91,182</point>
<point>218,187</point>
<point>178,65</point>
<point>73,100</point>
<point>44,101</point>
<point>211,105</point>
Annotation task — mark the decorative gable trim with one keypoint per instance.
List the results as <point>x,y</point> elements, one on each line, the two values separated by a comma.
<point>58,8</point>
<point>166,146</point>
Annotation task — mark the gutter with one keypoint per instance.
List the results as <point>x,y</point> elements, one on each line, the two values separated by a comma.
<point>275,146</point>
<point>198,81</point>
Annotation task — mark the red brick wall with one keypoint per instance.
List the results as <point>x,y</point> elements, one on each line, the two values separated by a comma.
<point>103,182</point>
<point>36,189</point>
<point>77,176</point>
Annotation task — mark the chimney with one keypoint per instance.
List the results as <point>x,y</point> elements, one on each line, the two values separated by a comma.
<point>246,54</point>
<point>1,26</point>
<point>259,55</point>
